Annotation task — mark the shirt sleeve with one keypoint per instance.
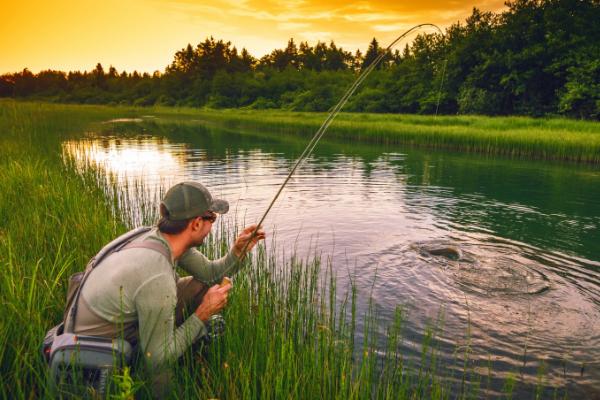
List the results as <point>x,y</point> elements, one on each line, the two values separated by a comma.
<point>155,302</point>
<point>209,272</point>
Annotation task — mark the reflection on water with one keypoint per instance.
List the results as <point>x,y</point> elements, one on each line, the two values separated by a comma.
<point>129,159</point>
<point>508,249</point>
<point>155,162</point>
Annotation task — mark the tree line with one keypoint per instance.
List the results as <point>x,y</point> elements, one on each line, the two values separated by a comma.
<point>538,57</point>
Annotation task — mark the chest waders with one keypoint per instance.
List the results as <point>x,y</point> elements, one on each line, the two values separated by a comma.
<point>83,365</point>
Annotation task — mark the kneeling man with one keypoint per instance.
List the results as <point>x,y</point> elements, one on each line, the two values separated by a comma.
<point>137,292</point>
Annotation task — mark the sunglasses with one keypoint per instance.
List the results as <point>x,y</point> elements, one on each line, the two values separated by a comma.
<point>211,217</point>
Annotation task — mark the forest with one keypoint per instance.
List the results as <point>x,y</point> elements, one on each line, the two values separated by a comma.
<point>536,58</point>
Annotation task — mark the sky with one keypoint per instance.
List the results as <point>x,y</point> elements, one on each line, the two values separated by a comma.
<point>144,35</point>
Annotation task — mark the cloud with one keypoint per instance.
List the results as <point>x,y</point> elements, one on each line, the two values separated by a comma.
<point>292,26</point>
<point>349,22</point>
<point>316,36</point>
<point>370,17</point>
<point>335,12</point>
<point>391,27</point>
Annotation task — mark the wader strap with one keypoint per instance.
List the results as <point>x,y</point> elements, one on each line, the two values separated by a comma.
<point>149,244</point>
<point>123,242</point>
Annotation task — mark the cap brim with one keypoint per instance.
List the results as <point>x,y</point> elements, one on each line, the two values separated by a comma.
<point>219,206</point>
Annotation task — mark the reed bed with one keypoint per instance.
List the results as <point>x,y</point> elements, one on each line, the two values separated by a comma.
<point>287,336</point>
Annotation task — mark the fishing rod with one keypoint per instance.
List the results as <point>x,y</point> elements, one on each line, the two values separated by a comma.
<point>333,113</point>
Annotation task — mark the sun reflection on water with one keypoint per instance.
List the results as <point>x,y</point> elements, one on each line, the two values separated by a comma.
<point>149,162</point>
<point>128,158</point>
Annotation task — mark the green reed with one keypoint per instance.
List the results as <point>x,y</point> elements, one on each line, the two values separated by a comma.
<point>287,335</point>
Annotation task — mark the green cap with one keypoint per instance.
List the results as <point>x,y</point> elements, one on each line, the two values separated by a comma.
<point>191,199</point>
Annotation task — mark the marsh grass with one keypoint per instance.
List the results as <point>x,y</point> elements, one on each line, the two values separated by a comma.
<point>52,221</point>
<point>287,335</point>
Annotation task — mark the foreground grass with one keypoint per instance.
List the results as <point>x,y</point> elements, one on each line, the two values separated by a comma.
<point>287,337</point>
<point>51,223</point>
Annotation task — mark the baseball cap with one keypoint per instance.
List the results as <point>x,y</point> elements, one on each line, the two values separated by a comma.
<point>191,199</point>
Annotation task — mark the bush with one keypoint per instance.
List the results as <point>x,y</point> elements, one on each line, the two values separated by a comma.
<point>473,100</point>
<point>262,104</point>
<point>368,100</point>
<point>581,96</point>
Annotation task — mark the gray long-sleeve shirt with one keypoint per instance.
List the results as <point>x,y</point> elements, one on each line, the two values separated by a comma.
<point>139,285</point>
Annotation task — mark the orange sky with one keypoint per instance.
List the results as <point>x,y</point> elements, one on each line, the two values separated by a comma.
<point>144,34</point>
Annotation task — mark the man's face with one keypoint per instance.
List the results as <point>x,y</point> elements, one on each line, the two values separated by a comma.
<point>201,227</point>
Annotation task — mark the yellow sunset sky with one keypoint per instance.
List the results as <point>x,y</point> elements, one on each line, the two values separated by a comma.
<point>143,35</point>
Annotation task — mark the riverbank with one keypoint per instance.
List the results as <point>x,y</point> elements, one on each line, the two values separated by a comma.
<point>52,222</point>
<point>518,137</point>
<point>558,139</point>
<point>287,337</point>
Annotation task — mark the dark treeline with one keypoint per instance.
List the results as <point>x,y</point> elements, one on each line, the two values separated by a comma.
<point>539,57</point>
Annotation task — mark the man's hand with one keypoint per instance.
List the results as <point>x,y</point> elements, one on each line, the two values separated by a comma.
<point>214,300</point>
<point>243,239</point>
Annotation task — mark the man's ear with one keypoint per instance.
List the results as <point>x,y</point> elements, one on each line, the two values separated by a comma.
<point>195,224</point>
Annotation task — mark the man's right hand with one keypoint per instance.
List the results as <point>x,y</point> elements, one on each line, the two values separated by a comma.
<point>214,300</point>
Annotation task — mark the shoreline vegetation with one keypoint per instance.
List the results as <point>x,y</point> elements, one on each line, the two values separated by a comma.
<point>552,139</point>
<point>287,335</point>
<point>558,139</point>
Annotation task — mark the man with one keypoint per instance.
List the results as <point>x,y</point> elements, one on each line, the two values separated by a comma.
<point>136,291</point>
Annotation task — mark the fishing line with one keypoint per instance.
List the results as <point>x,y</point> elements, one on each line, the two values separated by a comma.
<point>437,106</point>
<point>332,114</point>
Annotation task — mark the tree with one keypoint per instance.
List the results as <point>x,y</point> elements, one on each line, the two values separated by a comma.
<point>99,76</point>
<point>112,72</point>
<point>24,83</point>
<point>336,58</point>
<point>282,59</point>
<point>372,53</point>
<point>357,61</point>
<point>247,60</point>
<point>183,61</point>
<point>7,85</point>
<point>581,95</point>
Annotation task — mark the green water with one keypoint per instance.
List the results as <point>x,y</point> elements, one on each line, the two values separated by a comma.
<point>526,280</point>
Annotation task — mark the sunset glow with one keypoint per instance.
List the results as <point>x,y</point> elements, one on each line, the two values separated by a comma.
<point>144,34</point>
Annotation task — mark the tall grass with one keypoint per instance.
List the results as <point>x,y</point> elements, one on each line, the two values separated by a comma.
<point>287,336</point>
<point>52,221</point>
<point>518,137</point>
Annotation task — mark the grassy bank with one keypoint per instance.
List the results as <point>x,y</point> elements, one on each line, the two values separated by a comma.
<point>519,137</point>
<point>287,337</point>
<point>52,221</point>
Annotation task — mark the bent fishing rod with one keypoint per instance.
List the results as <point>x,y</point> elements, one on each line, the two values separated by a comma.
<point>331,116</point>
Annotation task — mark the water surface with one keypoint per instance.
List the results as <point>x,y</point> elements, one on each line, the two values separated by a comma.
<point>521,291</point>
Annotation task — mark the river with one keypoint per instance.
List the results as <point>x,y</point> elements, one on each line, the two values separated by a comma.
<point>520,289</point>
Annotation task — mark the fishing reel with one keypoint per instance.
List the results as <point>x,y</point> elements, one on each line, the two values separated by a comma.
<point>215,327</point>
